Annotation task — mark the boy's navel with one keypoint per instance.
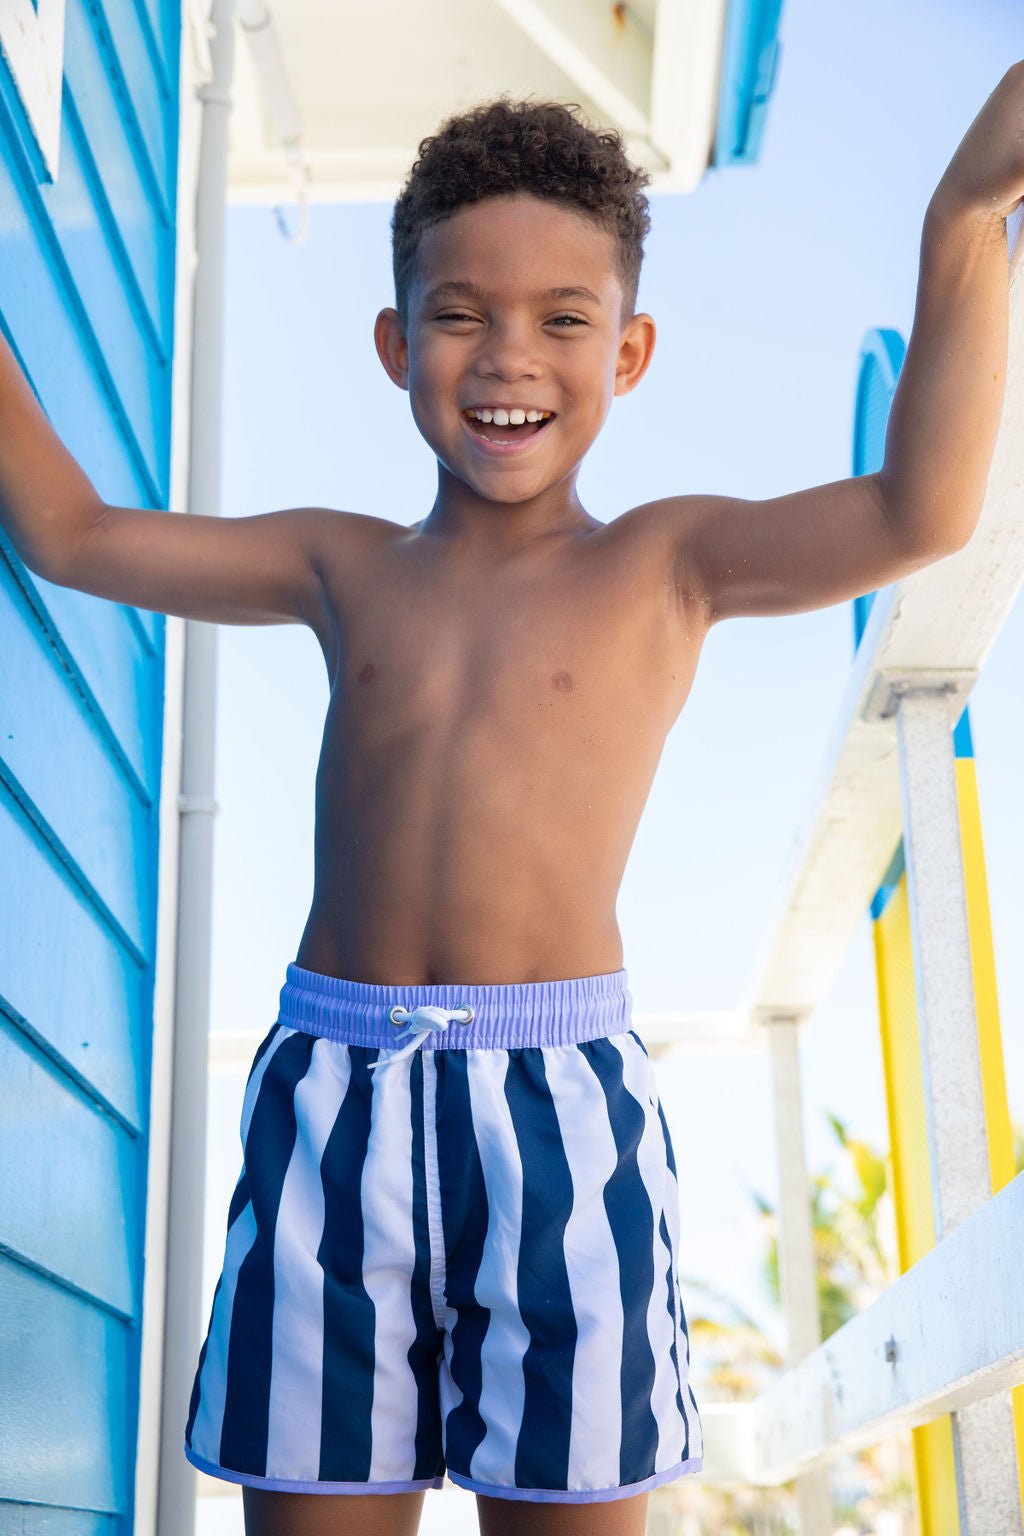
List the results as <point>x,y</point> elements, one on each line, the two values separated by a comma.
<point>368,673</point>
<point>563,682</point>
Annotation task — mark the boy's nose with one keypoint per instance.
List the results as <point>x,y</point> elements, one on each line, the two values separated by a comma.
<point>509,355</point>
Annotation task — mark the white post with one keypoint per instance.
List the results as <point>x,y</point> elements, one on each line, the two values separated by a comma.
<point>177,1486</point>
<point>988,1490</point>
<point>797,1270</point>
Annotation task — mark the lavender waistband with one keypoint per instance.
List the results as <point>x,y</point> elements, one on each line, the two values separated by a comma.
<point>505,1014</point>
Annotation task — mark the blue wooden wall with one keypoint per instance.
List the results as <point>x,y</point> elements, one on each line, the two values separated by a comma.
<point>86,301</point>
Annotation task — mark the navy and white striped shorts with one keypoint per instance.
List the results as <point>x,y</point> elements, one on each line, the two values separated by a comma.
<point>452,1248</point>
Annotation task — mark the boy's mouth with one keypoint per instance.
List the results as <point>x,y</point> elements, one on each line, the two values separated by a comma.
<point>507,426</point>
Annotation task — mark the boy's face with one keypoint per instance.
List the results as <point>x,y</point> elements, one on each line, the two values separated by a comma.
<point>509,340</point>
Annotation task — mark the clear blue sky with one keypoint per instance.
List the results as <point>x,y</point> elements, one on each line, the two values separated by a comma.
<point>763,284</point>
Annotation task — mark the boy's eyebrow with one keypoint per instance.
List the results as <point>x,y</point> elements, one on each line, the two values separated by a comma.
<point>455,286</point>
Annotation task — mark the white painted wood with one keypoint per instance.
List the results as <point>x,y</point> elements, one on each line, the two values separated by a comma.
<point>988,1490</point>
<point>575,42</point>
<point>361,124</point>
<point>196,807</point>
<point>954,1326</point>
<point>940,940</point>
<point>32,43</point>
<point>797,1270</point>
<point>193,60</point>
<point>686,71</point>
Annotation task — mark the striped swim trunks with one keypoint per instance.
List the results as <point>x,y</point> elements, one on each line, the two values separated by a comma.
<point>452,1249</point>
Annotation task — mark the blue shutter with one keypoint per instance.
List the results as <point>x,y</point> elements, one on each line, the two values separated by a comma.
<point>87,302</point>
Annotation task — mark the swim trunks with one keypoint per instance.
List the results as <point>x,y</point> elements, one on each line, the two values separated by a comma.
<point>452,1248</point>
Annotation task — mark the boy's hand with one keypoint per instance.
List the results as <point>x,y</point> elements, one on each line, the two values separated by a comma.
<point>986,175</point>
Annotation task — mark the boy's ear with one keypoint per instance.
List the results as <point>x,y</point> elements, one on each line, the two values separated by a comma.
<point>392,346</point>
<point>636,348</point>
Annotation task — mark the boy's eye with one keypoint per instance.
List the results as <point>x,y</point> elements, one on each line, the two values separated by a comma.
<point>572,319</point>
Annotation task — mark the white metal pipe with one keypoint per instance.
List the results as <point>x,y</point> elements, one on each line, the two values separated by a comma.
<point>176,1503</point>
<point>797,1269</point>
<point>988,1489</point>
<point>257,23</point>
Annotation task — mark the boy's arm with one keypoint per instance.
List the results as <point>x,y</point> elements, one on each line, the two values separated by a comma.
<point>262,569</point>
<point>833,542</point>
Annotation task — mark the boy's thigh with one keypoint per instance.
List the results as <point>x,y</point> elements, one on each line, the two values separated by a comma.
<point>526,1517</point>
<point>316,1514</point>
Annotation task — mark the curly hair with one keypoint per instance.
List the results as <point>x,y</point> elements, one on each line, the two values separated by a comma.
<point>505,146</point>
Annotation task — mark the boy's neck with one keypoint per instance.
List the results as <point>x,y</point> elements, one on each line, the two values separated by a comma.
<point>499,529</point>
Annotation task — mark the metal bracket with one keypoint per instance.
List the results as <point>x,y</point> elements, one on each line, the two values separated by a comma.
<point>205,804</point>
<point>891,683</point>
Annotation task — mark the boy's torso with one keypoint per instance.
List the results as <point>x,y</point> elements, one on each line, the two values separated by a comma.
<point>490,742</point>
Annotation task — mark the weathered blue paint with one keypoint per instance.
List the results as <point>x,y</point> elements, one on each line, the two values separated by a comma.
<point>87,303</point>
<point>750,61</point>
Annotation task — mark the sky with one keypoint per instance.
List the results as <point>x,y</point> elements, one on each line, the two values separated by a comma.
<point>763,284</point>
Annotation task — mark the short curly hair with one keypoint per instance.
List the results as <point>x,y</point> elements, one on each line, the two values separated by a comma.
<point>504,146</point>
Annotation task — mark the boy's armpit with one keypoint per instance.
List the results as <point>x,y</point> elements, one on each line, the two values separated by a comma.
<point>738,558</point>
<point>262,569</point>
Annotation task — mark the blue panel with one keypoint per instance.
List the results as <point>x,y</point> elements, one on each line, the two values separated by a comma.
<point>881,358</point>
<point>87,303</point>
<point>963,745</point>
<point>70,1172</point>
<point>144,228</point>
<point>62,361</point>
<point>40,1520</point>
<point>65,978</point>
<point>114,662</point>
<point>750,59</point>
<point>141,92</point>
<point>63,1439</point>
<point>95,814</point>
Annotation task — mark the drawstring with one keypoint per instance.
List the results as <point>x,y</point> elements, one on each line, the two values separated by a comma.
<point>418,1024</point>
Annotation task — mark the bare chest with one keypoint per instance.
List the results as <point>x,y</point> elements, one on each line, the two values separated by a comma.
<point>565,656</point>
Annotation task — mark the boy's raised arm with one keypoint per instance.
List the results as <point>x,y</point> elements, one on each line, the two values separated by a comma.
<point>833,542</point>
<point>263,569</point>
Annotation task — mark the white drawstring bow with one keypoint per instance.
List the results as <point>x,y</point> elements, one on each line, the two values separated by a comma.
<point>422,1021</point>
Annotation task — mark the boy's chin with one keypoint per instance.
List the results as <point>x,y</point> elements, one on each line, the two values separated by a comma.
<point>501,486</point>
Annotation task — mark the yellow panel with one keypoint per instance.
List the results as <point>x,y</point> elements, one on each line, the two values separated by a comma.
<point>935,1476</point>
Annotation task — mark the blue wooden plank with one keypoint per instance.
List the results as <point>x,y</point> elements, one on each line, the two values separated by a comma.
<point>140,90</point>
<point>71,1178</point>
<point>95,262</point>
<point>62,1396</point>
<point>61,356</point>
<point>113,662</point>
<point>45,1520</point>
<point>164,24</point>
<point>62,973</point>
<point>143,225</point>
<point>96,814</point>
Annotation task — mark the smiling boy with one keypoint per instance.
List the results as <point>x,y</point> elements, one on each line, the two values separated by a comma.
<point>454,1242</point>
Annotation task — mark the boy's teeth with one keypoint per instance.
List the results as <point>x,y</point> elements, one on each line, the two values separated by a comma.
<point>513,418</point>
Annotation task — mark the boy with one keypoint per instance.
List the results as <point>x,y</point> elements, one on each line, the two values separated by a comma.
<point>453,1244</point>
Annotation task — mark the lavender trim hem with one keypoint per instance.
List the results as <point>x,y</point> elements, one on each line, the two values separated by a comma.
<point>284,1485</point>
<point>578,1495</point>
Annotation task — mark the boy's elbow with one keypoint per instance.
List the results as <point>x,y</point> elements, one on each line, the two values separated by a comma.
<point>58,550</point>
